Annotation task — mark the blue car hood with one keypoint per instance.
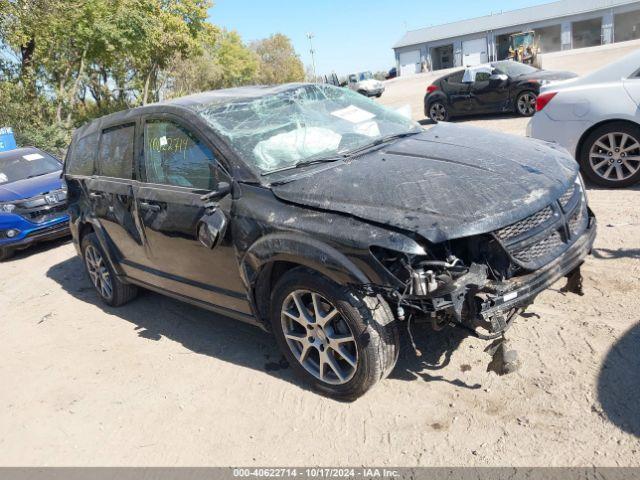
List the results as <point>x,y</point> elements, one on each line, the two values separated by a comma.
<point>30,187</point>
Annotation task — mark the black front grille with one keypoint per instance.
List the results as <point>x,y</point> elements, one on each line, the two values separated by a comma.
<point>543,236</point>
<point>43,208</point>
<point>567,196</point>
<point>523,226</point>
<point>47,214</point>
<point>541,249</point>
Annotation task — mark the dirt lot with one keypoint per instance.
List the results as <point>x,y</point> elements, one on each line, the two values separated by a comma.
<point>158,382</point>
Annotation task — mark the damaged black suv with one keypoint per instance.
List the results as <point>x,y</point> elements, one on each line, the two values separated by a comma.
<point>324,218</point>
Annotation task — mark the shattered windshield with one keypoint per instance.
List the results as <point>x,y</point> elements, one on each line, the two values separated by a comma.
<point>273,132</point>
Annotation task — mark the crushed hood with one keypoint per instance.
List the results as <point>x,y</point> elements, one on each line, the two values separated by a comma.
<point>448,182</point>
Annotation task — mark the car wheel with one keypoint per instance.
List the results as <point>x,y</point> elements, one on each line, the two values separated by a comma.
<point>378,95</point>
<point>526,104</point>
<point>6,253</point>
<point>363,92</point>
<point>111,290</point>
<point>338,340</point>
<point>438,112</point>
<point>610,155</point>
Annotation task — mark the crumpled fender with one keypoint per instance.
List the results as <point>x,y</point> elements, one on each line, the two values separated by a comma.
<point>288,247</point>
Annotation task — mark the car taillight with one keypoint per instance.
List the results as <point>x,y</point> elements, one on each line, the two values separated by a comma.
<point>432,88</point>
<point>543,99</point>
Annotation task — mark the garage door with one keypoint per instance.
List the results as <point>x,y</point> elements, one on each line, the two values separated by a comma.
<point>410,62</point>
<point>474,52</point>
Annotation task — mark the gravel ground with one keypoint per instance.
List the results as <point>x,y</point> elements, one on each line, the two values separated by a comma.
<point>158,382</point>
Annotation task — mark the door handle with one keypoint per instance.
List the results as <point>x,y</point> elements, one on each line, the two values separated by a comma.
<point>150,206</point>
<point>95,195</point>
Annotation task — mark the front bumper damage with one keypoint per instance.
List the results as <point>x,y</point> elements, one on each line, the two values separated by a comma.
<point>486,307</point>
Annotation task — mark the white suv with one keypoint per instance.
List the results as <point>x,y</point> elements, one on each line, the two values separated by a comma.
<point>365,84</point>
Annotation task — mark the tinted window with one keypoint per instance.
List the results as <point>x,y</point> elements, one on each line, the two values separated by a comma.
<point>174,156</point>
<point>455,77</point>
<point>82,157</point>
<point>514,69</point>
<point>116,152</point>
<point>20,164</point>
<point>482,76</point>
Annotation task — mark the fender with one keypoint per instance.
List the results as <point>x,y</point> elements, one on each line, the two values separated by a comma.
<point>303,250</point>
<point>106,245</point>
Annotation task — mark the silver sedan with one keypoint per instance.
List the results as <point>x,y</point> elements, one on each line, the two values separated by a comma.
<point>596,118</point>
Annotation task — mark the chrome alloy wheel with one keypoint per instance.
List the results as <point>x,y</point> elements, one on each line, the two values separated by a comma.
<point>98,272</point>
<point>319,337</point>
<point>615,156</point>
<point>437,112</point>
<point>527,104</point>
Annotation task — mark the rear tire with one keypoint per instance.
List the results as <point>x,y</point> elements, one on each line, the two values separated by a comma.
<point>344,356</point>
<point>109,287</point>
<point>600,162</point>
<point>6,253</point>
<point>526,103</point>
<point>438,112</point>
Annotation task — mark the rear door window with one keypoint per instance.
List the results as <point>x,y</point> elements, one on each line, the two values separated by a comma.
<point>116,151</point>
<point>81,160</point>
<point>173,155</point>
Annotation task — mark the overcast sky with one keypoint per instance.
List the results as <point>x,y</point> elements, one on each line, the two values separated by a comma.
<point>350,35</point>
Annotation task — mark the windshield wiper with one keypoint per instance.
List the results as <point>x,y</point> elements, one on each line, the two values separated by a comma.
<point>305,163</point>
<point>380,141</point>
<point>38,174</point>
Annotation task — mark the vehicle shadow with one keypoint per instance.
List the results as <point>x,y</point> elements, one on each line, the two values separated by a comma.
<point>470,118</point>
<point>37,248</point>
<point>590,186</point>
<point>619,382</point>
<point>154,316</point>
<point>435,351</point>
<point>611,254</point>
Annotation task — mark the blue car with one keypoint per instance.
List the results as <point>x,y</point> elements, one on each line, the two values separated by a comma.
<point>33,199</point>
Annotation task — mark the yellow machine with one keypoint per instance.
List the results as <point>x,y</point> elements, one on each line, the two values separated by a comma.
<point>523,47</point>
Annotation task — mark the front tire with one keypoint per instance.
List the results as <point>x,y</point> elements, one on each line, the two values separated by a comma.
<point>6,253</point>
<point>335,338</point>
<point>610,155</point>
<point>526,103</point>
<point>109,287</point>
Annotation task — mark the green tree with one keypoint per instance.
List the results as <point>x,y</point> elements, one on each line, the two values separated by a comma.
<point>279,62</point>
<point>224,63</point>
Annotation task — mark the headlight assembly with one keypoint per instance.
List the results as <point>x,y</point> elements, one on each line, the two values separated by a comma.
<point>7,207</point>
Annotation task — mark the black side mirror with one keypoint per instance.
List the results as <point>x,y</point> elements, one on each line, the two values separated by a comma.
<point>211,229</point>
<point>221,190</point>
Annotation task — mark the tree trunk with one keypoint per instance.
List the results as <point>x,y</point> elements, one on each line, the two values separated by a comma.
<point>147,84</point>
<point>74,91</point>
<point>26,66</point>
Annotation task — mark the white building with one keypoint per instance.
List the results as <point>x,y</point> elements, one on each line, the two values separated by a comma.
<point>560,25</point>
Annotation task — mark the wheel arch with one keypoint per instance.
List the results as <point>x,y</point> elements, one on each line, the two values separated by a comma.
<point>85,227</point>
<point>268,259</point>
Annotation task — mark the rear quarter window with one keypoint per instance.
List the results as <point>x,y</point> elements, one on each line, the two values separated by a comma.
<point>81,159</point>
<point>116,152</point>
<point>455,77</point>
